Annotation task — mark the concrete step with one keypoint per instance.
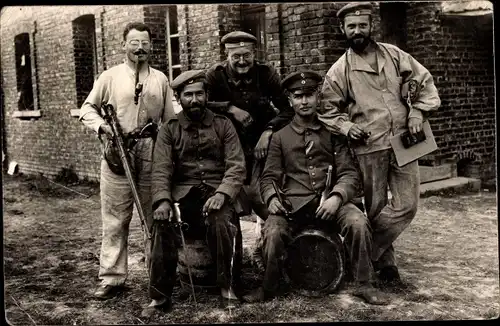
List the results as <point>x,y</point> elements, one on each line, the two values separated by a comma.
<point>457,184</point>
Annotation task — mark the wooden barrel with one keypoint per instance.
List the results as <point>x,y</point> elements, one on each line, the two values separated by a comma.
<point>197,256</point>
<point>315,263</point>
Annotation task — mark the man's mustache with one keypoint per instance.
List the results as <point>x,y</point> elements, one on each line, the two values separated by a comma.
<point>140,51</point>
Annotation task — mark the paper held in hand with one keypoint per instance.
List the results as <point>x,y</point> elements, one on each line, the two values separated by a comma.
<point>410,154</point>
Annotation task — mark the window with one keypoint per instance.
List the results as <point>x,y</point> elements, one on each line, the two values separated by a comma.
<point>23,73</point>
<point>253,21</point>
<point>173,48</point>
<point>85,52</point>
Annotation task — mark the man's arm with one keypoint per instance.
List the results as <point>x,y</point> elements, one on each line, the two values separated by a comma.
<point>90,110</point>
<point>333,110</point>
<point>213,84</point>
<point>163,167</point>
<point>280,101</point>
<point>427,99</point>
<point>273,170</point>
<point>234,159</point>
<point>347,173</point>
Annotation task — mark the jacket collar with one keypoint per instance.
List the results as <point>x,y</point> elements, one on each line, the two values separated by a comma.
<point>358,63</point>
<point>300,129</point>
<point>185,122</point>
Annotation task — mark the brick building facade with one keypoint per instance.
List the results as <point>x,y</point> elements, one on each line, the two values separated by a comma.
<point>69,46</point>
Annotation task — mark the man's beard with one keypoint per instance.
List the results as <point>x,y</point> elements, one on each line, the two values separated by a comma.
<point>359,46</point>
<point>238,69</point>
<point>195,112</point>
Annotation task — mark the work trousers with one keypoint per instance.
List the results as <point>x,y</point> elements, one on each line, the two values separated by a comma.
<point>388,218</point>
<point>222,232</point>
<point>349,221</point>
<point>117,203</point>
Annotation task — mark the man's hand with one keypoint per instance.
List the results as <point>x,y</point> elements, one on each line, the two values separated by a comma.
<point>355,132</point>
<point>214,203</point>
<point>414,125</point>
<point>105,128</point>
<point>163,212</point>
<point>262,146</point>
<point>241,116</point>
<point>329,208</point>
<point>276,208</point>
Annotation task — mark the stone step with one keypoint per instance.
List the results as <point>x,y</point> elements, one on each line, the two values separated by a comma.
<point>457,184</point>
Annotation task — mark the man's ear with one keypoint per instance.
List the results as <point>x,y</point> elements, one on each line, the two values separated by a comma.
<point>342,26</point>
<point>124,44</point>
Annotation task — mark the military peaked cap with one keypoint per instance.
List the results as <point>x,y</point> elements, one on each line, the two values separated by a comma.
<point>238,39</point>
<point>355,9</point>
<point>301,80</point>
<point>188,77</point>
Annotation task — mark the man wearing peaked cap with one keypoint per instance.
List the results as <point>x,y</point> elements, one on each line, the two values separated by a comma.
<point>301,80</point>
<point>369,112</point>
<point>249,93</point>
<point>238,39</point>
<point>188,77</point>
<point>198,163</point>
<point>355,9</point>
<point>300,154</point>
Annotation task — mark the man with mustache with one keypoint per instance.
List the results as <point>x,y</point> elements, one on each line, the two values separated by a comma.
<point>243,89</point>
<point>298,159</point>
<point>116,86</point>
<point>199,163</point>
<point>365,98</point>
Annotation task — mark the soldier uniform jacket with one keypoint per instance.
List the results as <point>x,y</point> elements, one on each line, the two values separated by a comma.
<point>304,175</point>
<point>373,99</point>
<point>254,94</point>
<point>191,153</point>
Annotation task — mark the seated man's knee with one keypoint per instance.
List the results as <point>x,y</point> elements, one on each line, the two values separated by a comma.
<point>355,220</point>
<point>275,228</point>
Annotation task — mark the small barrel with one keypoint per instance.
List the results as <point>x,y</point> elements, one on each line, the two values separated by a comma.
<point>197,256</point>
<point>315,263</point>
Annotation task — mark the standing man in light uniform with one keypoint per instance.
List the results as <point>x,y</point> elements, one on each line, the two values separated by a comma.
<point>116,86</point>
<point>364,99</point>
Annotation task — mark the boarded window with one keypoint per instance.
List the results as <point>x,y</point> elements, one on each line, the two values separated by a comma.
<point>84,42</point>
<point>253,21</point>
<point>23,72</point>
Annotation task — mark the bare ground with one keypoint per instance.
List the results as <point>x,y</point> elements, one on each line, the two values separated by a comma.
<point>52,242</point>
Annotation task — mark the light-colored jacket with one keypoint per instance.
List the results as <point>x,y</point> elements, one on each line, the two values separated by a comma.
<point>353,93</point>
<point>116,86</point>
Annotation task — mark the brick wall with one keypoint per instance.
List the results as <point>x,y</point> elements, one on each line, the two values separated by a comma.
<point>56,140</point>
<point>201,34</point>
<point>154,17</point>
<point>458,52</point>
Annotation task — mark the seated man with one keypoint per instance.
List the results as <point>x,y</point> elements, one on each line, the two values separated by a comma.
<point>297,161</point>
<point>198,161</point>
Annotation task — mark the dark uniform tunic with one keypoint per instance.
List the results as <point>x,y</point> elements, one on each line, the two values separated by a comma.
<point>298,159</point>
<point>254,93</point>
<point>193,161</point>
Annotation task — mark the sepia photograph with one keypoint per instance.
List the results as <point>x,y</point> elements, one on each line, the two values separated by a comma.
<point>217,163</point>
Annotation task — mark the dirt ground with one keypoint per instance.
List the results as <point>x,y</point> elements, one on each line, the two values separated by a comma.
<point>52,242</point>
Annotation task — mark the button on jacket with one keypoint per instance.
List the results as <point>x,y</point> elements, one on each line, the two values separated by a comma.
<point>373,99</point>
<point>191,153</point>
<point>300,157</point>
